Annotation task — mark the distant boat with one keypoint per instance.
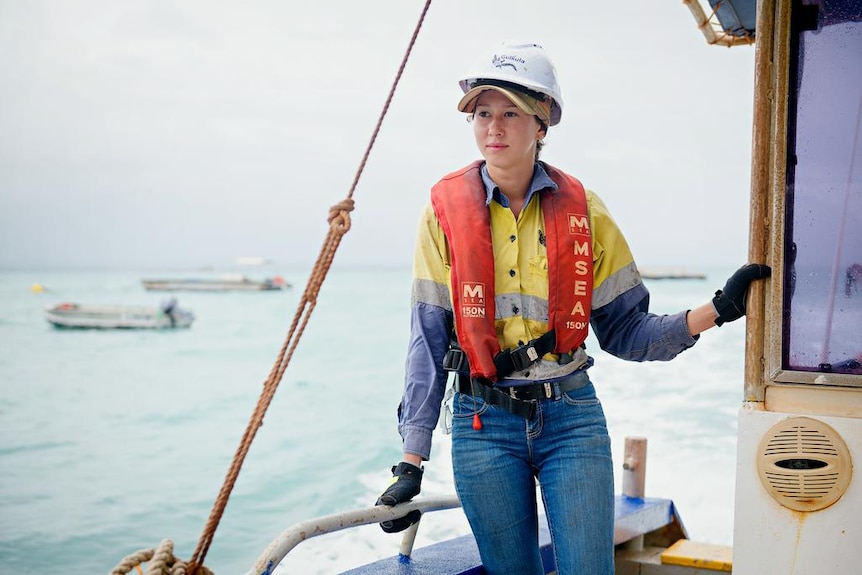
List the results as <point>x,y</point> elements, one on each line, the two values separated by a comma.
<point>250,261</point>
<point>224,283</point>
<point>670,274</point>
<point>74,315</point>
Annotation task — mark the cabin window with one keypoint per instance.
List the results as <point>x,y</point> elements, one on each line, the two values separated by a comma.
<point>823,284</point>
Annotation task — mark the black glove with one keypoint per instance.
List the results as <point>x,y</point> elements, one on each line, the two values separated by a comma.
<point>405,485</point>
<point>729,302</point>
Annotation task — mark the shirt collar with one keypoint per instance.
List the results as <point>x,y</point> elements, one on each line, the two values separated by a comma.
<point>541,181</point>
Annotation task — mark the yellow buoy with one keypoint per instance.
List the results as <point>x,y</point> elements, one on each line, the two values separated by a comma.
<point>37,288</point>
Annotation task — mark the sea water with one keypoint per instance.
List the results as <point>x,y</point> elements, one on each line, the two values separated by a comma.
<point>113,440</point>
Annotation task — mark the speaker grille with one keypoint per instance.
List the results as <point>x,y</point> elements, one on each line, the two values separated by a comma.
<point>804,464</point>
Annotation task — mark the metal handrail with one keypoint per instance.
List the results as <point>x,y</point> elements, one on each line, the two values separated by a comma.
<point>299,532</point>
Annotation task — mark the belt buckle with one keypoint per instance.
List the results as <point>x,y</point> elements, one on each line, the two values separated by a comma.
<point>549,390</point>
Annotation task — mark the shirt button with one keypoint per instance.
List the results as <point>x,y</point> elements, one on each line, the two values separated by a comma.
<point>511,273</point>
<point>512,238</point>
<point>515,310</point>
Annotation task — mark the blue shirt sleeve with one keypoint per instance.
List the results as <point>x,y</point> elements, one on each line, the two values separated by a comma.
<point>425,378</point>
<point>626,329</point>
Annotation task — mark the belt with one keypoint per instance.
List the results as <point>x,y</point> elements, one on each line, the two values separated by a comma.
<point>520,399</point>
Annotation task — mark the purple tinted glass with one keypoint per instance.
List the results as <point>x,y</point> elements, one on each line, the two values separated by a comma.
<point>823,286</point>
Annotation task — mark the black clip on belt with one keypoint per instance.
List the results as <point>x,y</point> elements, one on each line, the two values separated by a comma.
<point>493,396</point>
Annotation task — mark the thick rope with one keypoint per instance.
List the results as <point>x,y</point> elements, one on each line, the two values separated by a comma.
<point>339,224</point>
<point>161,562</point>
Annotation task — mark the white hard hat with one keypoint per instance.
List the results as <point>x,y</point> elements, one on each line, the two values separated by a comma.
<point>523,67</point>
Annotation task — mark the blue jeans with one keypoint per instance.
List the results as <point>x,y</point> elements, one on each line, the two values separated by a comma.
<point>567,448</point>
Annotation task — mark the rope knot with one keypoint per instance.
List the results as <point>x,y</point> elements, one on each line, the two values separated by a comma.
<point>339,215</point>
<point>160,561</point>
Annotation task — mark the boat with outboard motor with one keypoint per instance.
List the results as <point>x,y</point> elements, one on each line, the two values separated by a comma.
<point>83,316</point>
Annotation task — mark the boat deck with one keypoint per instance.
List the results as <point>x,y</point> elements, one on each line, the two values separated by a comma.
<point>460,556</point>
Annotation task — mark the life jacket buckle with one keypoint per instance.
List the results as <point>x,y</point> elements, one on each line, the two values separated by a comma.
<point>456,360</point>
<point>524,356</point>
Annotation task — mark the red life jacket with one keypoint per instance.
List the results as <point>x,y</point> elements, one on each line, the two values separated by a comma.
<point>459,204</point>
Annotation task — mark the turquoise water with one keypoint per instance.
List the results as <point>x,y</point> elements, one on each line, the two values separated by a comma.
<point>111,441</point>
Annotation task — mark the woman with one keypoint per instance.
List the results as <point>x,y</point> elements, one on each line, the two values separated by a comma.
<point>514,260</point>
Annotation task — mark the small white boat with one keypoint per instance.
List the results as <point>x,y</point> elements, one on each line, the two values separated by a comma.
<point>659,273</point>
<point>224,283</point>
<point>252,261</point>
<point>73,315</point>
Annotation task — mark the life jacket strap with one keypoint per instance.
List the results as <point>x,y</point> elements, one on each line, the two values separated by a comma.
<point>512,360</point>
<point>507,361</point>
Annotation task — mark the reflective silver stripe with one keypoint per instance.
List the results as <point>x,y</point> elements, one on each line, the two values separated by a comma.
<point>529,307</point>
<point>619,283</point>
<point>431,292</point>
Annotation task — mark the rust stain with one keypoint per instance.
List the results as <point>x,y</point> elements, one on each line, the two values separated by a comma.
<point>800,517</point>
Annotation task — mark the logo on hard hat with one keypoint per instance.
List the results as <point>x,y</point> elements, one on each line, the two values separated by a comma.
<point>507,61</point>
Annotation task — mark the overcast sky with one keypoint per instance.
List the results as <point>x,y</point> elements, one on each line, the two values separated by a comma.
<point>158,134</point>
